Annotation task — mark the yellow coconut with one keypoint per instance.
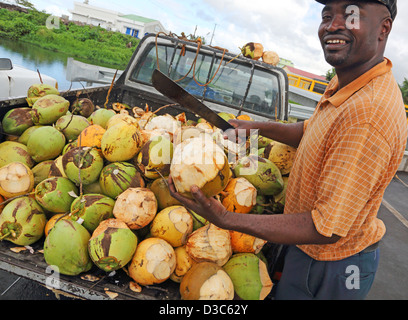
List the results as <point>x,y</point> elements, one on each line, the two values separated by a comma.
<point>239,196</point>
<point>121,117</point>
<point>201,162</point>
<point>183,264</point>
<point>91,137</point>
<point>121,142</point>
<point>211,244</point>
<point>281,155</point>
<point>137,207</point>
<point>173,224</point>
<point>245,243</point>
<point>153,263</point>
<point>16,179</point>
<point>206,281</point>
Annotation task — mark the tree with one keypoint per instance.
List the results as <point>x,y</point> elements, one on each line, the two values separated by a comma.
<point>330,74</point>
<point>404,90</point>
<point>25,3</point>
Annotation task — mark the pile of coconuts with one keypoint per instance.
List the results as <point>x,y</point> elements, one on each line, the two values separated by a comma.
<point>91,184</point>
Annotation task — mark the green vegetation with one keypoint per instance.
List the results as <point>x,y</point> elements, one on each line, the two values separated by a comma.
<point>404,90</point>
<point>90,44</point>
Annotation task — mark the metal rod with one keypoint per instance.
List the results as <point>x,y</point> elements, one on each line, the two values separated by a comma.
<point>5,291</point>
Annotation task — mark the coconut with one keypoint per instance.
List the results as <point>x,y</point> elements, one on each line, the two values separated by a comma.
<point>262,173</point>
<point>56,194</point>
<point>16,179</point>
<point>121,142</point>
<point>27,134</point>
<point>183,264</point>
<point>72,126</point>
<point>153,262</point>
<point>91,137</point>
<point>112,245</point>
<point>239,196</point>
<point>83,107</point>
<point>66,248</point>
<point>120,118</point>
<point>198,221</point>
<point>83,165</point>
<point>278,201</point>
<point>200,161</point>
<point>101,117</point>
<point>47,110</point>
<point>155,157</point>
<point>16,121</point>
<point>211,244</point>
<point>93,188</point>
<point>187,132</point>
<point>45,143</point>
<point>91,209</point>
<point>162,193</point>
<point>57,168</point>
<point>22,222</point>
<point>281,155</point>
<point>69,146</point>
<point>37,91</point>
<point>253,50</point>
<point>53,220</point>
<point>137,207</point>
<point>249,276</point>
<point>41,171</point>
<point>166,122</point>
<point>11,151</point>
<point>117,177</point>
<point>173,224</point>
<point>206,281</point>
<point>262,202</point>
<point>244,243</point>
<point>271,57</point>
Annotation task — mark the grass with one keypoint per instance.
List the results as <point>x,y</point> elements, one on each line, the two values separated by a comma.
<point>90,44</point>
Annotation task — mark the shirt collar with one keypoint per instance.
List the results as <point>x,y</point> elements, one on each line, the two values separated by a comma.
<point>338,97</point>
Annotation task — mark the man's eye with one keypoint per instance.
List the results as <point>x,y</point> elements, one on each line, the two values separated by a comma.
<point>326,18</point>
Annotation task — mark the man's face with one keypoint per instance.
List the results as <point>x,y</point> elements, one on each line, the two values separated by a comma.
<point>349,32</point>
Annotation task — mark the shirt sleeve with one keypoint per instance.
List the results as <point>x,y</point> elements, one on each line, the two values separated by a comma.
<point>353,167</point>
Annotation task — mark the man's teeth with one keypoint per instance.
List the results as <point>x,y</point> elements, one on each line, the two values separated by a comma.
<point>336,41</point>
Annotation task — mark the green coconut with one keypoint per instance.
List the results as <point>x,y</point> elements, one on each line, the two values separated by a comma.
<point>11,151</point>
<point>249,276</point>
<point>57,169</point>
<point>45,143</point>
<point>56,194</point>
<point>47,110</point>
<point>117,177</point>
<point>16,121</point>
<point>66,248</point>
<point>27,134</point>
<point>161,191</point>
<point>101,117</point>
<point>41,171</point>
<point>92,188</point>
<point>262,173</point>
<point>37,91</point>
<point>22,222</point>
<point>83,165</point>
<point>121,142</point>
<point>72,126</point>
<point>91,210</point>
<point>278,201</point>
<point>155,157</point>
<point>112,245</point>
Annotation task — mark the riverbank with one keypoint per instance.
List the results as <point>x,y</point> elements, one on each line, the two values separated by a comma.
<point>89,44</point>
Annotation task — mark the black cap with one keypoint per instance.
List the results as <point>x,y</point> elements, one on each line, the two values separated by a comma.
<point>390,4</point>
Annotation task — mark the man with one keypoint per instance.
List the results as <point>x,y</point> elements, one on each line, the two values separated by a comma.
<point>348,153</point>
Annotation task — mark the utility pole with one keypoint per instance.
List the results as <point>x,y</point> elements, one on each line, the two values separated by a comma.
<point>213,34</point>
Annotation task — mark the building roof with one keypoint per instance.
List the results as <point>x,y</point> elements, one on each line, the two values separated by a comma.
<point>137,18</point>
<point>305,74</point>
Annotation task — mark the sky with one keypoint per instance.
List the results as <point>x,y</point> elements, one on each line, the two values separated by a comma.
<point>287,27</point>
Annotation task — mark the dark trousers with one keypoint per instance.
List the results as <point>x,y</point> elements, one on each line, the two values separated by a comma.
<point>304,278</point>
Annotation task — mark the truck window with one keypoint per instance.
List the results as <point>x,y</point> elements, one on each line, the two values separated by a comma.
<point>235,84</point>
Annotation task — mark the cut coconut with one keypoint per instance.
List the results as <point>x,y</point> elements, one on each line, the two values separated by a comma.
<point>16,179</point>
<point>239,196</point>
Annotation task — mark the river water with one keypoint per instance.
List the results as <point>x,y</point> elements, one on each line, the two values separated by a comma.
<point>53,64</point>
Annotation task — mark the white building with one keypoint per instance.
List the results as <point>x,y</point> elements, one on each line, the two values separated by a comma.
<point>131,24</point>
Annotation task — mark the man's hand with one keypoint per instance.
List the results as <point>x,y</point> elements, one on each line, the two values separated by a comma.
<point>208,208</point>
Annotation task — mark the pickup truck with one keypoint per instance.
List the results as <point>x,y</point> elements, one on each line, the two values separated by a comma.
<point>240,85</point>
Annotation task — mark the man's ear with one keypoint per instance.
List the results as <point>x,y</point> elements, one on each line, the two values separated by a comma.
<point>386,27</point>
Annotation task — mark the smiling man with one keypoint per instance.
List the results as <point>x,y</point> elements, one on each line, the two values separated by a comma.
<point>348,153</point>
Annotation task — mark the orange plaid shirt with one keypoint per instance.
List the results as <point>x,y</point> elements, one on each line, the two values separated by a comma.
<point>351,149</point>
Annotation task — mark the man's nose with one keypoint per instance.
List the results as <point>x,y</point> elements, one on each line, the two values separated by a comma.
<point>337,23</point>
